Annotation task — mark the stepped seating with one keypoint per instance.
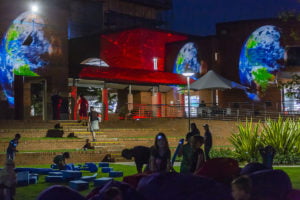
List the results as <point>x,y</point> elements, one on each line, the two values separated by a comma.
<point>110,140</point>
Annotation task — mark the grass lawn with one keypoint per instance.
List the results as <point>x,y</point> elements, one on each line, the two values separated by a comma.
<point>31,192</point>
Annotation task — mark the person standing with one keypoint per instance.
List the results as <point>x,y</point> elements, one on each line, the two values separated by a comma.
<point>83,107</point>
<point>186,152</point>
<point>56,105</point>
<point>207,141</point>
<point>197,160</point>
<point>12,147</point>
<point>194,130</point>
<point>94,122</point>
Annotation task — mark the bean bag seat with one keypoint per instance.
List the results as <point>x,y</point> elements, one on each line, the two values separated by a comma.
<point>133,180</point>
<point>115,174</point>
<point>223,170</point>
<point>79,185</point>
<point>162,186</point>
<point>106,169</point>
<point>128,193</point>
<point>293,195</point>
<point>103,164</point>
<point>101,181</point>
<point>92,167</point>
<point>70,174</point>
<point>59,192</point>
<point>252,167</point>
<point>270,184</point>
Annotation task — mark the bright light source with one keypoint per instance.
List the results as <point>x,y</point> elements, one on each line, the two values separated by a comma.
<point>188,73</point>
<point>155,60</point>
<point>34,8</point>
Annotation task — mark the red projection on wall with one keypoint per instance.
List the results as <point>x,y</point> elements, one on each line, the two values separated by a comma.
<point>136,48</point>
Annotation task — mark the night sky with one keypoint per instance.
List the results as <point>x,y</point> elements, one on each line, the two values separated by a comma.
<point>198,17</point>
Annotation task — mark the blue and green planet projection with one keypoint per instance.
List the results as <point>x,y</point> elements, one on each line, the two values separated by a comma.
<point>259,60</point>
<point>21,51</point>
<point>187,58</point>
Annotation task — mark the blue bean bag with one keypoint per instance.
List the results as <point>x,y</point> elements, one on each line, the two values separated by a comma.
<point>162,186</point>
<point>128,193</point>
<point>59,192</point>
<point>270,184</point>
<point>103,164</point>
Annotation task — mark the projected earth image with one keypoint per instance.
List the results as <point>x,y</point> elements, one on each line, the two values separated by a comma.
<point>21,51</point>
<point>259,60</point>
<point>187,58</point>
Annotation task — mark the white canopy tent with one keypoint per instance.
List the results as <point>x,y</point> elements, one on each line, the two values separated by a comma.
<point>212,80</point>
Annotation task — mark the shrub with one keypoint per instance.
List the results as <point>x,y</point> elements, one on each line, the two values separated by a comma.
<point>246,142</point>
<point>222,153</point>
<point>283,135</point>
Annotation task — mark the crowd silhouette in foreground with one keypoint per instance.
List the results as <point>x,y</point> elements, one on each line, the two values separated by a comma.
<point>200,177</point>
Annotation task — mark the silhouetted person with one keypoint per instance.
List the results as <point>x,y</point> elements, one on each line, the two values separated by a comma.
<point>113,193</point>
<point>94,122</point>
<point>207,141</point>
<point>140,154</point>
<point>12,147</point>
<point>60,160</point>
<point>56,106</point>
<point>64,109</point>
<point>83,105</point>
<point>186,152</point>
<point>197,160</point>
<point>8,181</point>
<point>194,130</point>
<point>88,145</point>
<point>202,104</point>
<point>241,188</point>
<point>267,155</point>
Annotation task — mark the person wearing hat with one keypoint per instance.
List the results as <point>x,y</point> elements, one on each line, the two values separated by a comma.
<point>207,141</point>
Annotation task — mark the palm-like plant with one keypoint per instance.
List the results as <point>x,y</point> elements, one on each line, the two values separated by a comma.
<point>246,141</point>
<point>283,135</point>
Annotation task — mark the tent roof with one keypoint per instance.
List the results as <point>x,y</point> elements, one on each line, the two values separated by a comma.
<point>212,80</point>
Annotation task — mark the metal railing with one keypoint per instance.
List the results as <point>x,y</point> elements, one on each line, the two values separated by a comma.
<point>141,111</point>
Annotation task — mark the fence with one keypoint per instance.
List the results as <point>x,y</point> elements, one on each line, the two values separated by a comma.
<point>210,111</point>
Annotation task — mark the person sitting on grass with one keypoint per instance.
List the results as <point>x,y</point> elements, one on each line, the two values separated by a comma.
<point>241,188</point>
<point>87,145</point>
<point>8,181</point>
<point>140,154</point>
<point>60,160</point>
<point>198,154</point>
